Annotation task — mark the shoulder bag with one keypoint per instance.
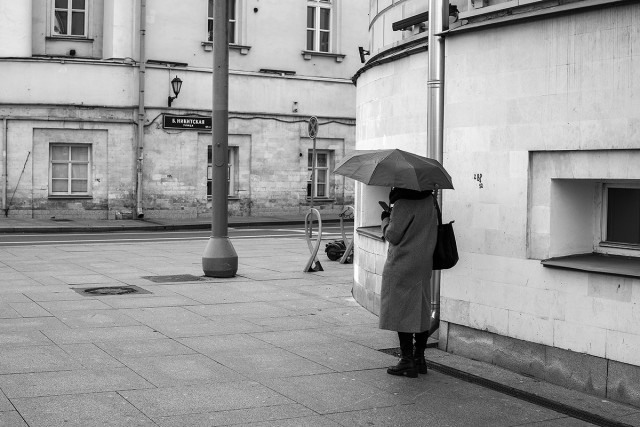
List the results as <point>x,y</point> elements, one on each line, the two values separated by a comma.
<point>445,255</point>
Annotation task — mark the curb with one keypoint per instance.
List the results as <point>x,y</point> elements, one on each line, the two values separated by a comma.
<point>150,227</point>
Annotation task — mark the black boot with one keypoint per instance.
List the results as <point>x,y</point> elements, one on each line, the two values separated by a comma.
<point>406,366</point>
<point>421,345</point>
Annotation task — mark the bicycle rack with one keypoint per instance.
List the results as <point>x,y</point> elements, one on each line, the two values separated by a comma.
<point>308,232</point>
<point>349,249</point>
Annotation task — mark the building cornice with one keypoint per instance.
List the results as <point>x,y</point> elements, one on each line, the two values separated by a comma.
<point>516,15</point>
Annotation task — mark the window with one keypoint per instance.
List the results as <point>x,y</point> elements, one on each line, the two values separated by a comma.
<point>70,18</point>
<point>232,175</point>
<point>69,169</point>
<point>233,21</point>
<point>622,212</point>
<point>323,159</point>
<point>319,26</point>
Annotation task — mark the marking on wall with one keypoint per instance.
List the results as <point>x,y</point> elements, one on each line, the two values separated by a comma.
<point>478,177</point>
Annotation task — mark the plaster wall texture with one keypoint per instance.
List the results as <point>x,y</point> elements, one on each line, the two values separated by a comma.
<point>382,15</point>
<point>544,111</point>
<point>120,26</point>
<point>281,50</point>
<point>96,87</point>
<point>111,179</point>
<point>271,165</point>
<point>391,113</point>
<point>14,16</point>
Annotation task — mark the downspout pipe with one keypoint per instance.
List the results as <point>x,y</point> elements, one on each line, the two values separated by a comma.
<point>438,22</point>
<point>5,165</point>
<point>141,109</point>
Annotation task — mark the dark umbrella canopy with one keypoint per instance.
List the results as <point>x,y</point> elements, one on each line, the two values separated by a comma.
<point>395,168</point>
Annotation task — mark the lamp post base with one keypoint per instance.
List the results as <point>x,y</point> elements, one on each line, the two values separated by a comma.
<point>220,258</point>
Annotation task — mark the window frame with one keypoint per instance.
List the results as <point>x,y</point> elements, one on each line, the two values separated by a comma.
<point>602,244</point>
<point>69,10</point>
<point>318,5</point>
<point>70,162</point>
<point>327,169</point>
<point>233,186</point>
<point>233,35</point>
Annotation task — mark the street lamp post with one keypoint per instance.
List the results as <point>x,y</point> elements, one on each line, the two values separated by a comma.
<point>220,258</point>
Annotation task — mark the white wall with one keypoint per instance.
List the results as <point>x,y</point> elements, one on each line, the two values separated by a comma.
<point>538,109</point>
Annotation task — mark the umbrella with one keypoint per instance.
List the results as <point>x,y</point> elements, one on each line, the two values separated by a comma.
<point>395,168</point>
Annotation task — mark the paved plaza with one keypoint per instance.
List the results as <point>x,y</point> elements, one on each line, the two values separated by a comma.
<point>271,347</point>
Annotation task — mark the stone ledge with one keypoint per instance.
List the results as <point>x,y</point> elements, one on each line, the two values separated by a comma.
<point>593,375</point>
<point>597,263</point>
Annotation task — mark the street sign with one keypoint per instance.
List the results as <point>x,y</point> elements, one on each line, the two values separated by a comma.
<point>170,121</point>
<point>313,127</point>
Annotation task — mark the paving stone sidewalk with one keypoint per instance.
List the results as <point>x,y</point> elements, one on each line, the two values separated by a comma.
<point>272,346</point>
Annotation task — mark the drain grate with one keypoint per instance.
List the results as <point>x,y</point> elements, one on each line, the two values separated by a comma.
<point>111,290</point>
<point>174,278</point>
<point>571,411</point>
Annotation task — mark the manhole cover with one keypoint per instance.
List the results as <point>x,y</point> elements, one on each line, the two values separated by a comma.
<point>174,278</point>
<point>111,290</point>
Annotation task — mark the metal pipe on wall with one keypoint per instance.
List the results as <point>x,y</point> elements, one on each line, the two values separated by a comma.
<point>141,109</point>
<point>5,165</point>
<point>438,22</point>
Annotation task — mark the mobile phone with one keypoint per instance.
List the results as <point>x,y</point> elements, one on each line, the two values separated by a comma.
<point>384,206</point>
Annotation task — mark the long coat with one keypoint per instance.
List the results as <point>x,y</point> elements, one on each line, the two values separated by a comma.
<point>405,300</point>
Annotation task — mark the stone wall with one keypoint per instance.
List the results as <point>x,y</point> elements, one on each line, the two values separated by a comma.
<point>271,165</point>
<point>537,116</point>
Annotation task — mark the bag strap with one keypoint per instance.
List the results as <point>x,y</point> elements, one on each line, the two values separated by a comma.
<point>435,202</point>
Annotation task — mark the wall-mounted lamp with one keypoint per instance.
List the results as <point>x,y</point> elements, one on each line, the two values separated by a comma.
<point>363,53</point>
<point>176,85</point>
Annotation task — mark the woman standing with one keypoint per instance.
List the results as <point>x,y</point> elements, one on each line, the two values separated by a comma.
<point>410,227</point>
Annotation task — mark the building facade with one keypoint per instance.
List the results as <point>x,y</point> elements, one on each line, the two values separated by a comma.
<point>92,128</point>
<point>541,132</point>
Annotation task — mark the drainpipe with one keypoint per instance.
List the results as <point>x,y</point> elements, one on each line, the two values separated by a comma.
<point>5,165</point>
<point>141,109</point>
<point>438,21</point>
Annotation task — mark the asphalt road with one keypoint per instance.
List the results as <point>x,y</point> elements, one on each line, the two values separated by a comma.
<point>329,232</point>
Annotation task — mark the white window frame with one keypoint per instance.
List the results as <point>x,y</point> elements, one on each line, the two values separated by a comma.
<point>325,169</point>
<point>602,244</point>
<point>70,163</point>
<point>318,5</point>
<point>232,172</point>
<point>233,35</point>
<point>69,10</point>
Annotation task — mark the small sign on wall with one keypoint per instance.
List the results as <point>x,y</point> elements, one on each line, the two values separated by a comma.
<point>170,121</point>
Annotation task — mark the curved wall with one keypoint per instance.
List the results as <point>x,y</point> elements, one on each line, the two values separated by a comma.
<point>391,111</point>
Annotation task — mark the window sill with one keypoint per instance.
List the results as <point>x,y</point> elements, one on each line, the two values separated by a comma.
<point>308,54</point>
<point>208,47</point>
<point>70,196</point>
<point>374,232</point>
<point>597,263</point>
<point>70,39</point>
